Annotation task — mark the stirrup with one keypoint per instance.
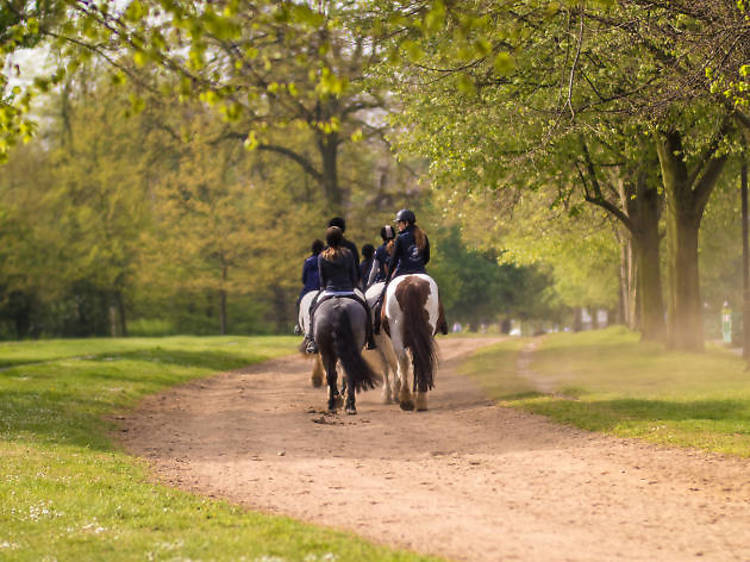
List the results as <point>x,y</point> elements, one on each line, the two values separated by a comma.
<point>297,330</point>
<point>312,347</point>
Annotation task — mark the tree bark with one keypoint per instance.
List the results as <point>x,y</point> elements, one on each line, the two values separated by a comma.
<point>686,196</point>
<point>328,144</point>
<point>646,241</point>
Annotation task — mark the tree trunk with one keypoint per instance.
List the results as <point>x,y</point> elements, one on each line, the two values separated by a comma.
<point>121,317</point>
<point>328,145</point>
<point>223,302</point>
<point>686,194</point>
<point>684,310</point>
<point>646,242</point>
<point>222,312</point>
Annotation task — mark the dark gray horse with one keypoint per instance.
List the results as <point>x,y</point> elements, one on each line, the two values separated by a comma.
<point>339,331</point>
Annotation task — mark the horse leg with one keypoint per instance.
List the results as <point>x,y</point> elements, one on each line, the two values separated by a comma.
<point>404,395</point>
<point>351,406</point>
<point>386,382</point>
<point>317,373</point>
<point>334,397</point>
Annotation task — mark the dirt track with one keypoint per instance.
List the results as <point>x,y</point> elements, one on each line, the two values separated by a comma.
<point>467,480</point>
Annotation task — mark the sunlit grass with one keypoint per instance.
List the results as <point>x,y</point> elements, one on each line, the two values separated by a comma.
<point>607,381</point>
<point>68,493</point>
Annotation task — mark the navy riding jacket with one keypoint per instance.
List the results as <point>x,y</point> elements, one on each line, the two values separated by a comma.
<point>310,277</point>
<point>407,257</point>
<point>339,275</point>
<point>381,255</point>
<point>352,247</point>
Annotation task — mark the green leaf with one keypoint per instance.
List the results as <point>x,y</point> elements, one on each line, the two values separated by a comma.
<point>503,64</point>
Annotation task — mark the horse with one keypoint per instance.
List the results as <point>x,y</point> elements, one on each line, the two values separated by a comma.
<point>385,348</point>
<point>340,332</point>
<point>411,315</point>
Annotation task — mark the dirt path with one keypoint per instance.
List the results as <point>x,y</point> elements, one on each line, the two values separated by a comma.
<point>467,479</point>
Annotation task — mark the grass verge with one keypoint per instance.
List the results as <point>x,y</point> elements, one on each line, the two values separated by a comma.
<point>608,381</point>
<point>67,493</point>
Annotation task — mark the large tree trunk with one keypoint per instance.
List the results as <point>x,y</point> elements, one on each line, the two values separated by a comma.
<point>686,196</point>
<point>646,242</point>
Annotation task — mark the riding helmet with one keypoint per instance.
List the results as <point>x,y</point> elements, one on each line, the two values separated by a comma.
<point>406,216</point>
<point>338,221</point>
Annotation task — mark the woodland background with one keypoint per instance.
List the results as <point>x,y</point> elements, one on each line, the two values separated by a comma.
<point>168,164</point>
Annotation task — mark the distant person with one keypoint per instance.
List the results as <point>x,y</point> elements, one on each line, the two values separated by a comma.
<point>379,269</point>
<point>310,278</point>
<point>345,243</point>
<point>368,254</point>
<point>456,327</point>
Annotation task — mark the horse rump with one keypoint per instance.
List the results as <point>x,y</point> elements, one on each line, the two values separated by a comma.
<point>349,352</point>
<point>417,333</point>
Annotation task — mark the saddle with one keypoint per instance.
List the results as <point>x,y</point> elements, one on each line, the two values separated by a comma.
<point>323,296</point>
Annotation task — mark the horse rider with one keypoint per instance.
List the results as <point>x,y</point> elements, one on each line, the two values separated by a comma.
<point>378,271</point>
<point>346,243</point>
<point>411,252</point>
<point>338,278</point>
<point>310,279</point>
<point>368,253</point>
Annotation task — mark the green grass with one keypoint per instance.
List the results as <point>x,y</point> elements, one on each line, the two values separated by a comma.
<point>68,493</point>
<point>609,382</point>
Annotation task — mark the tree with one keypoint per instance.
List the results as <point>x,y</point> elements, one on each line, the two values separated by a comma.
<point>510,85</point>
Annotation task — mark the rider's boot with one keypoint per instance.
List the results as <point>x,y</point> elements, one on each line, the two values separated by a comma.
<point>312,347</point>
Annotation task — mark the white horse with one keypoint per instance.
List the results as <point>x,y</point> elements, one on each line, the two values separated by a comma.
<point>384,351</point>
<point>412,315</point>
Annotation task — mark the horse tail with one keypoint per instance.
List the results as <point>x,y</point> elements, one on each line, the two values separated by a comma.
<point>417,336</point>
<point>349,353</point>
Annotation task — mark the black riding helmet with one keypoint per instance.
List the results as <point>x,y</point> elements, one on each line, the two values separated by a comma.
<point>338,221</point>
<point>405,215</point>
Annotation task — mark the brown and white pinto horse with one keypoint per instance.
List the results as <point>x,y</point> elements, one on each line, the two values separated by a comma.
<point>412,315</point>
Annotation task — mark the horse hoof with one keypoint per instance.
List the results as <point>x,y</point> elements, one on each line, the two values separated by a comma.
<point>351,411</point>
<point>407,406</point>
